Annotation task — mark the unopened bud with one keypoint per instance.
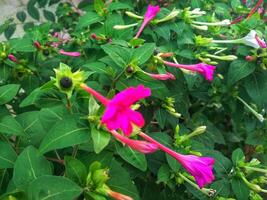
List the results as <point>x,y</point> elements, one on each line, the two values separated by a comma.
<point>130,14</point>
<point>121,27</point>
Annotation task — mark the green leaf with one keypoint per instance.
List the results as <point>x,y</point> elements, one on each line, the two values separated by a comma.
<point>131,156</point>
<point>164,174</point>
<point>88,19</point>
<point>238,70</point>
<point>9,125</point>
<point>22,45</point>
<point>32,10</point>
<point>222,187</point>
<point>49,15</point>
<point>53,188</point>
<point>161,117</point>
<point>21,15</point>
<point>238,155</point>
<point>7,155</point>
<point>75,170</point>
<point>63,134</point>
<point>240,189</point>
<point>8,92</point>
<point>143,53</point>
<point>29,165</point>
<point>99,6</point>
<point>120,180</point>
<point>10,31</point>
<point>100,138</point>
<point>120,55</point>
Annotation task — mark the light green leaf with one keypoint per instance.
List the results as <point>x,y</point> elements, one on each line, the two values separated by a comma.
<point>100,138</point>
<point>8,92</point>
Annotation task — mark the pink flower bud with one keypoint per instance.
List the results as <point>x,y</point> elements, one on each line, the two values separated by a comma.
<point>72,54</point>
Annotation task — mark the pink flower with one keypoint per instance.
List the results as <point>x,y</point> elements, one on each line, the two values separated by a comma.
<point>12,58</point>
<point>37,44</point>
<point>199,167</point>
<point>162,77</point>
<point>250,58</point>
<point>261,42</point>
<point>73,54</point>
<point>118,113</point>
<point>150,14</point>
<point>141,146</point>
<point>202,68</point>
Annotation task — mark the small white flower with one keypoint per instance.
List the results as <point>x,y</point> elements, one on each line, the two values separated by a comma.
<point>252,39</point>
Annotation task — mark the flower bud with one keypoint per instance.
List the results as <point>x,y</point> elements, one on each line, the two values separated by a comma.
<point>121,27</point>
<point>130,14</point>
<point>99,177</point>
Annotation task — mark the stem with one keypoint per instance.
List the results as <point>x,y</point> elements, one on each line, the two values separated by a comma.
<point>254,9</point>
<point>256,114</point>
<point>256,169</point>
<point>203,190</point>
<point>96,94</point>
<point>188,67</point>
<point>56,160</point>
<point>161,146</point>
<point>141,29</point>
<point>75,151</point>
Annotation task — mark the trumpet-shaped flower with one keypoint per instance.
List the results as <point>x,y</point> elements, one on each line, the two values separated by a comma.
<point>118,113</point>
<point>141,146</point>
<point>253,40</point>
<point>150,14</point>
<point>202,68</point>
<point>199,167</point>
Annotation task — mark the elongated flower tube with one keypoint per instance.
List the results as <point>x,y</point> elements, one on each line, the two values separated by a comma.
<point>150,14</point>
<point>251,39</point>
<point>199,167</point>
<point>118,196</point>
<point>72,54</point>
<point>202,68</point>
<point>162,77</point>
<point>121,27</point>
<point>225,22</point>
<point>118,113</point>
<point>141,146</point>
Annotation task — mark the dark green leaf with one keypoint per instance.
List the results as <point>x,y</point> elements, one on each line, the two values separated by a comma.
<point>49,15</point>
<point>7,155</point>
<point>53,188</point>
<point>21,15</point>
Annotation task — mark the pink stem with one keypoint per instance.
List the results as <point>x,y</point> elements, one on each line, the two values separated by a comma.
<point>96,94</point>
<point>254,9</point>
<point>161,146</point>
<point>188,67</point>
<point>141,29</point>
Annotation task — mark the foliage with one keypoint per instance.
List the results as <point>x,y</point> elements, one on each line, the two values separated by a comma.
<point>52,143</point>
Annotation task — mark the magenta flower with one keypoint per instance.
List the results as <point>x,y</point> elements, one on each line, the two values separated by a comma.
<point>12,58</point>
<point>202,68</point>
<point>118,113</point>
<point>141,146</point>
<point>261,42</point>
<point>162,77</point>
<point>199,167</point>
<point>72,54</point>
<point>150,14</point>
